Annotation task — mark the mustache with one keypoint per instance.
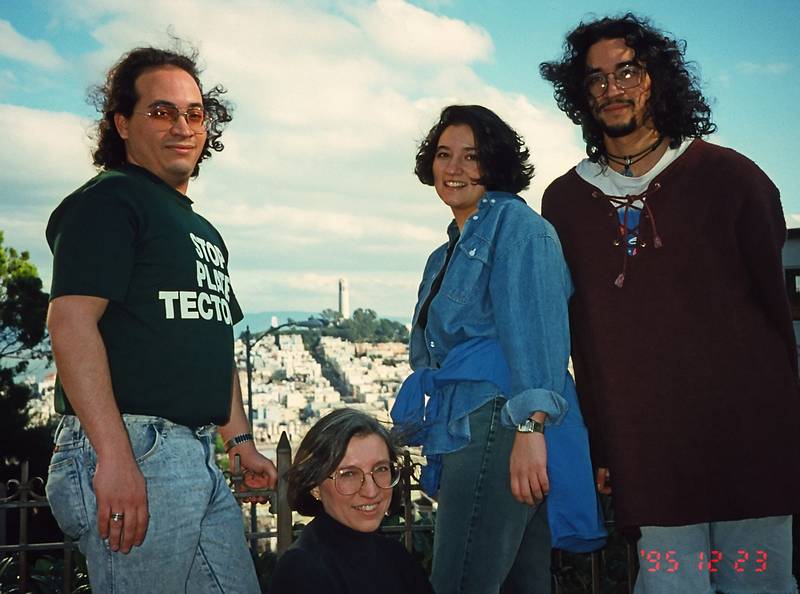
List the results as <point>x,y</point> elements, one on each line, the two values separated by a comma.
<point>601,106</point>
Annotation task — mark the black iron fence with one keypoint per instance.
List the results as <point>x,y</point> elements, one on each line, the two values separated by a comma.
<point>572,574</point>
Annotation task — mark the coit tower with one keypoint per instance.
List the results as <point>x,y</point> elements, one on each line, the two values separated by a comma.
<point>344,299</point>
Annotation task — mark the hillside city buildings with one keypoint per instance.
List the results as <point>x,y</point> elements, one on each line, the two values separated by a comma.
<point>290,391</point>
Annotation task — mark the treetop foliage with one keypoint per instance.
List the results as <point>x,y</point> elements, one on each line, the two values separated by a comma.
<point>23,304</point>
<point>23,308</point>
<point>365,326</point>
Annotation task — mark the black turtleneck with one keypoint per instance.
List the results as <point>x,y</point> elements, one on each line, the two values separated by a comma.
<point>332,558</point>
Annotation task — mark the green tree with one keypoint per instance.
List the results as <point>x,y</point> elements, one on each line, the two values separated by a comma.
<point>365,326</point>
<point>23,308</point>
<point>390,331</point>
<point>331,316</point>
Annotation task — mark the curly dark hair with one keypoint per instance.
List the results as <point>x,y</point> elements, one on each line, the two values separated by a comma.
<point>118,94</point>
<point>502,154</point>
<point>676,105</point>
<point>323,448</point>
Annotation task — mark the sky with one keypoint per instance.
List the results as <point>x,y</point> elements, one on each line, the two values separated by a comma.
<point>331,100</point>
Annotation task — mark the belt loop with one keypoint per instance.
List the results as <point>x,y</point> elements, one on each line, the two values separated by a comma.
<point>204,429</point>
<point>59,428</point>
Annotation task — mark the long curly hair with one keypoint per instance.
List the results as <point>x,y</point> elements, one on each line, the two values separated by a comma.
<point>676,105</point>
<point>118,95</point>
<point>502,154</point>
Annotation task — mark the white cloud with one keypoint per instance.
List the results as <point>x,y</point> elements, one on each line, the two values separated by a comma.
<point>316,180</point>
<point>45,155</point>
<point>49,149</point>
<point>18,47</point>
<point>267,289</point>
<point>755,68</point>
<point>412,34</point>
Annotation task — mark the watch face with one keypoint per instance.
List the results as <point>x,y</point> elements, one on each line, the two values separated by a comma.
<point>530,426</point>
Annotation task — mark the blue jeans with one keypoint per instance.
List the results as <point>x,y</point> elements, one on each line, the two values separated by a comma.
<point>752,556</point>
<point>195,537</point>
<point>485,541</point>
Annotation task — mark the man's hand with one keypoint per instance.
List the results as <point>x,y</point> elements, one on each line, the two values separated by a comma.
<point>120,489</point>
<point>528,468</point>
<point>603,480</point>
<point>259,471</point>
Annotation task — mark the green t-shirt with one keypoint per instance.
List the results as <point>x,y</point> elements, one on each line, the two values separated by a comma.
<point>130,238</point>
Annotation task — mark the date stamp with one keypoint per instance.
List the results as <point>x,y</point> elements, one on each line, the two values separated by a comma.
<point>671,561</point>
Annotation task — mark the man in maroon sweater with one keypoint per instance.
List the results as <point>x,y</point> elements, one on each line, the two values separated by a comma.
<point>684,353</point>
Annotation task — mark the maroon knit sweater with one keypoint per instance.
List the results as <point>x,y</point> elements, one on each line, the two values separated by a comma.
<point>687,374</point>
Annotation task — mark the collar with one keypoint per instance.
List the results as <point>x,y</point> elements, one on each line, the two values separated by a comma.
<point>339,534</point>
<point>488,201</point>
<point>142,172</point>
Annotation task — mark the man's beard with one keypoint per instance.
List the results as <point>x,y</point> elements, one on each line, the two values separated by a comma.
<point>620,129</point>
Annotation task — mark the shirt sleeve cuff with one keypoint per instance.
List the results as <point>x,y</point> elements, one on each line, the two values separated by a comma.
<point>520,407</point>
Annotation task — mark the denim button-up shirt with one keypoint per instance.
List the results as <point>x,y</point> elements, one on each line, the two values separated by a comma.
<point>507,280</point>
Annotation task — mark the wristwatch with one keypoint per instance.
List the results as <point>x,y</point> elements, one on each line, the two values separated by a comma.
<point>531,426</point>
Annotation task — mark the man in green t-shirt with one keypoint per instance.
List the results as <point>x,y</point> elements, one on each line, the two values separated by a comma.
<point>140,319</point>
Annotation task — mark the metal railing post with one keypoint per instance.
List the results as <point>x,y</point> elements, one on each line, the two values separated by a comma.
<point>3,493</point>
<point>248,344</point>
<point>284,458</point>
<point>408,512</point>
<point>23,525</point>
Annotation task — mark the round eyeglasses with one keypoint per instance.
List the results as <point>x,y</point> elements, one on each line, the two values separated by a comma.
<point>166,116</point>
<point>627,76</point>
<point>348,481</point>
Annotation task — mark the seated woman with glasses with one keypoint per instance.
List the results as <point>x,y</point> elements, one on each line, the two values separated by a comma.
<point>344,473</point>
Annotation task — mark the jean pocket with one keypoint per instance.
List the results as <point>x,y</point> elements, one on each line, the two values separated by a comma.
<point>145,441</point>
<point>65,495</point>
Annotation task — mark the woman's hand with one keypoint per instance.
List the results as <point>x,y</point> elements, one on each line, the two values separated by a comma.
<point>528,468</point>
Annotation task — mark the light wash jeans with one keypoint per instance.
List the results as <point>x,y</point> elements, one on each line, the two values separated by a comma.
<point>485,541</point>
<point>752,556</point>
<point>195,540</point>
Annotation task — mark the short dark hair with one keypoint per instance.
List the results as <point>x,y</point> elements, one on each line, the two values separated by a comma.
<point>502,154</point>
<point>676,105</point>
<point>323,448</point>
<point>118,95</point>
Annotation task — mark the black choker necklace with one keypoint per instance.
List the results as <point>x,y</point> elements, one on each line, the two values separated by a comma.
<point>629,160</point>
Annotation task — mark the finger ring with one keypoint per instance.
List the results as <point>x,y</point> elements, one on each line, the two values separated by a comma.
<point>117,517</point>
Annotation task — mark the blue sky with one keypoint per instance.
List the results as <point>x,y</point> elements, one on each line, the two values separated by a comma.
<point>331,98</point>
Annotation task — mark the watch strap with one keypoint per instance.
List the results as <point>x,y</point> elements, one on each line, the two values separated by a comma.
<point>236,440</point>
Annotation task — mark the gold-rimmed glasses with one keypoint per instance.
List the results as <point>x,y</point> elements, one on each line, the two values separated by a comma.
<point>167,116</point>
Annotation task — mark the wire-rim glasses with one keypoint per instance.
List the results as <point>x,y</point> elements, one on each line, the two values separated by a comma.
<point>348,481</point>
<point>626,76</point>
<point>167,116</point>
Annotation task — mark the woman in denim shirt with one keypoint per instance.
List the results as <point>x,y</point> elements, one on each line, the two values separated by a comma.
<point>489,345</point>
